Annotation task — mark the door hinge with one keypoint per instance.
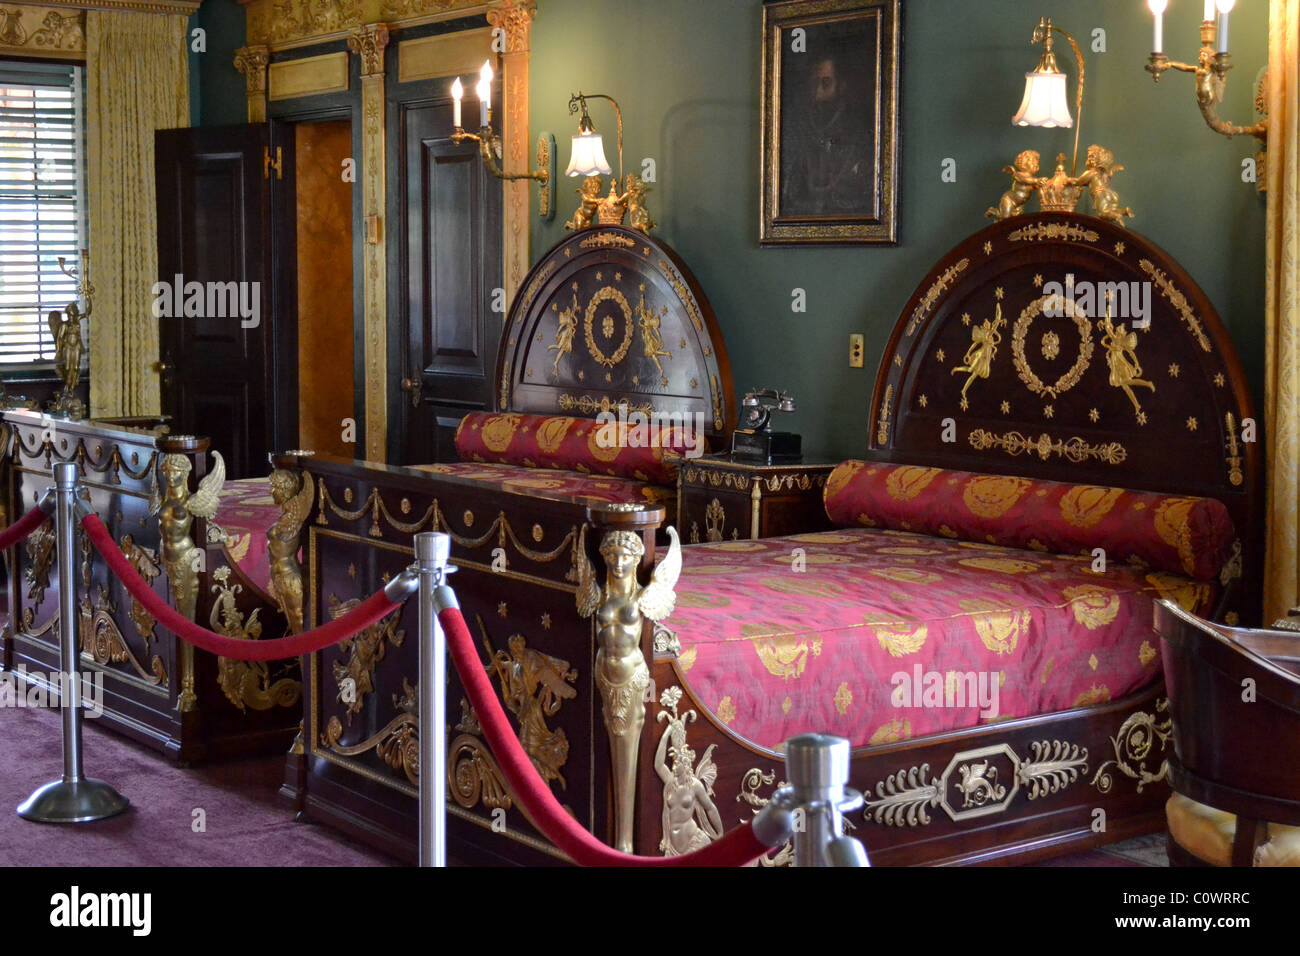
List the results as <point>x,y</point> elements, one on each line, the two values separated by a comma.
<point>268,164</point>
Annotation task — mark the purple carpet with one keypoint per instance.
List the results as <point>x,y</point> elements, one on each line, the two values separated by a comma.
<point>246,824</point>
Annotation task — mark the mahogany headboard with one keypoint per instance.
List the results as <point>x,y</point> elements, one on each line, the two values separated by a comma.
<point>1046,398</point>
<point>581,335</point>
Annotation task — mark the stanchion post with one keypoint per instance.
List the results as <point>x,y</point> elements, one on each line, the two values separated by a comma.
<point>73,798</point>
<point>431,553</point>
<point>817,766</point>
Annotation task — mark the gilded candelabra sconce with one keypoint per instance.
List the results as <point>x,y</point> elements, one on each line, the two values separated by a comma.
<point>69,349</point>
<point>587,159</point>
<point>1211,71</point>
<point>489,143</point>
<point>1045,104</point>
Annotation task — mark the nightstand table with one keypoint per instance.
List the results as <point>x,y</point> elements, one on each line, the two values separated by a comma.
<point>721,499</point>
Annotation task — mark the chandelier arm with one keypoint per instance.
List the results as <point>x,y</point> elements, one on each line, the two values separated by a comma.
<point>1078,100</point>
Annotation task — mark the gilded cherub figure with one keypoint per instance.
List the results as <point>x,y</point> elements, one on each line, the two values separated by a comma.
<point>294,496</point>
<point>622,676</point>
<point>589,200</point>
<point>978,360</point>
<point>1121,357</point>
<point>1101,166</point>
<point>1024,180</point>
<point>638,217</point>
<point>568,326</point>
<point>176,509</point>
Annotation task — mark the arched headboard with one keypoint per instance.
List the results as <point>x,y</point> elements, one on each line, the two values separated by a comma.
<point>1057,396</point>
<point>611,316</point>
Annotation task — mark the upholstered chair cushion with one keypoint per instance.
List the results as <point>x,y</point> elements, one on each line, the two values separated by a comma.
<point>644,452</point>
<point>1179,535</point>
<point>1206,833</point>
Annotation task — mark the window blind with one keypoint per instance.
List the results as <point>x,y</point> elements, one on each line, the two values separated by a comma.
<point>42,201</point>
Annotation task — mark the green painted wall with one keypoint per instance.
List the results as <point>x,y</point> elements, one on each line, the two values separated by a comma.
<point>218,86</point>
<point>687,77</point>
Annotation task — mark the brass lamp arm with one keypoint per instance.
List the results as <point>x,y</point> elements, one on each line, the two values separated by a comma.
<point>1210,110</point>
<point>1078,98</point>
<point>580,99</point>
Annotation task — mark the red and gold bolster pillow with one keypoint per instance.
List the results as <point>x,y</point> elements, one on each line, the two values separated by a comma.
<point>1189,536</point>
<point>645,453</point>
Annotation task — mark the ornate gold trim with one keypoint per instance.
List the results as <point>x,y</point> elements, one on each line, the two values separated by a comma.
<point>1234,457</point>
<point>1044,231</point>
<point>1072,375</point>
<point>1178,301</point>
<point>1075,450</point>
<point>45,33</point>
<point>589,405</point>
<point>882,421</point>
<point>245,683</point>
<point>252,62</point>
<point>750,783</point>
<point>1133,744</point>
<point>936,289</point>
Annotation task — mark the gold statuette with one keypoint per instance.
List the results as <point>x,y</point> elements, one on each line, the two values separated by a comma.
<point>1024,180</point>
<point>176,509</point>
<point>294,496</point>
<point>622,676</point>
<point>584,217</point>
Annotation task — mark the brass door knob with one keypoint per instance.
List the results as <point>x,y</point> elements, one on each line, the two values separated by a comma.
<point>413,386</point>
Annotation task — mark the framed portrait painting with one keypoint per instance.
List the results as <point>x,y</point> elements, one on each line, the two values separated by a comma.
<point>830,122</point>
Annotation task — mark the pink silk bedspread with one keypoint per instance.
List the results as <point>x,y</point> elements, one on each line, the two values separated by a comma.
<point>247,511</point>
<point>534,480</point>
<point>773,651</point>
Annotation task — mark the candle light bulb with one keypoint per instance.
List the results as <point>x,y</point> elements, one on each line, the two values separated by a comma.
<point>484,91</point>
<point>457,91</point>
<point>1158,7</point>
<point>1225,7</point>
<point>1209,10</point>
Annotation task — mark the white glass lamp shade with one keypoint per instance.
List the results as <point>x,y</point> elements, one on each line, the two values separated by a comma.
<point>587,157</point>
<point>1045,103</point>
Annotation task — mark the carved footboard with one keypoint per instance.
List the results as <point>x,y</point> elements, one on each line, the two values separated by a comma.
<point>523,563</point>
<point>156,495</point>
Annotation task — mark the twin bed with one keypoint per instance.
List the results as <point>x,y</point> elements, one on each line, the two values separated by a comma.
<point>978,622</point>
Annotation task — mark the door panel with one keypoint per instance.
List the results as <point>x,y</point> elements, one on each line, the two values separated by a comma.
<point>215,213</point>
<point>449,266</point>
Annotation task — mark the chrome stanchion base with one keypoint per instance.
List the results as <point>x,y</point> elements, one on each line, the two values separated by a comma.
<point>73,801</point>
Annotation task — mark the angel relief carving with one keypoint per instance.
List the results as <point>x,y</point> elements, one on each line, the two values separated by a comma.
<point>690,818</point>
<point>176,509</point>
<point>534,686</point>
<point>622,676</point>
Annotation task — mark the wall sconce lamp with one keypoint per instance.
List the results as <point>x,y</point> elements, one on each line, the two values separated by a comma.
<point>489,143</point>
<point>1211,71</point>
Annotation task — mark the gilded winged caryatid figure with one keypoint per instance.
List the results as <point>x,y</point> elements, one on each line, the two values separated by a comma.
<point>294,496</point>
<point>978,360</point>
<point>534,685</point>
<point>1121,357</point>
<point>622,676</point>
<point>176,509</point>
<point>690,818</point>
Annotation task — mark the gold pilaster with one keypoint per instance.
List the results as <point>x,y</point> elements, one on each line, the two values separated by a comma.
<point>515,20</point>
<point>251,61</point>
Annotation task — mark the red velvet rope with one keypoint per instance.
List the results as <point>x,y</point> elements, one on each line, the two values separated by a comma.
<point>21,528</point>
<point>736,848</point>
<point>368,612</point>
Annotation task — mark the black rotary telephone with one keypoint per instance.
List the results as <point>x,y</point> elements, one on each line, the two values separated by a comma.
<point>755,441</point>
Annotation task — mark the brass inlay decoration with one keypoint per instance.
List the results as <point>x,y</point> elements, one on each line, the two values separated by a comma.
<point>749,786</point>
<point>534,686</point>
<point>652,340</point>
<point>978,360</point>
<point>40,557</point>
<point>41,32</point>
<point>906,797</point>
<point>145,562</point>
<point>1075,450</point>
<point>308,76</point>
<point>683,294</point>
<point>691,820</point>
<point>355,675</point>
<point>882,423</point>
<point>176,509</point>
<point>622,676</point>
<point>1121,358</point>
<point>472,773</point>
<point>604,294</point>
<point>397,744</point>
<point>1044,231</point>
<point>101,638</point>
<point>607,240</point>
<point>714,516</point>
<point>1234,457</point>
<point>1134,744</point>
<point>589,405</point>
<point>936,289</point>
<point>1020,332</point>
<point>293,493</point>
<point>566,328</point>
<point>110,463</point>
<point>245,683</point>
<point>1178,301</point>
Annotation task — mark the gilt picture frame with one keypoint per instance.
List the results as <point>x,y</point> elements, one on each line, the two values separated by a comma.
<point>829,129</point>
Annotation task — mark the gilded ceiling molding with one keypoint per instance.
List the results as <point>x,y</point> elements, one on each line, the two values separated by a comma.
<point>368,42</point>
<point>515,20</point>
<point>181,7</point>
<point>42,32</point>
<point>251,61</point>
<point>282,24</point>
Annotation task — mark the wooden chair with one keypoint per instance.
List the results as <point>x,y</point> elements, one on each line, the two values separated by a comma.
<point>1234,697</point>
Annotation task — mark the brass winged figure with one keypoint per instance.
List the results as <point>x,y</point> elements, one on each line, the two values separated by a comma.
<point>176,509</point>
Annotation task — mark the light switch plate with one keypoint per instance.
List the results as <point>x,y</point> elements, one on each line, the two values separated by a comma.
<point>857,350</point>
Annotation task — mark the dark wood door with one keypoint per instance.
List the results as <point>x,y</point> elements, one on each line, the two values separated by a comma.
<point>444,307</point>
<point>222,191</point>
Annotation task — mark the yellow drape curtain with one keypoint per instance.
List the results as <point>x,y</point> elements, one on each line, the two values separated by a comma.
<point>1282,312</point>
<point>137,81</point>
